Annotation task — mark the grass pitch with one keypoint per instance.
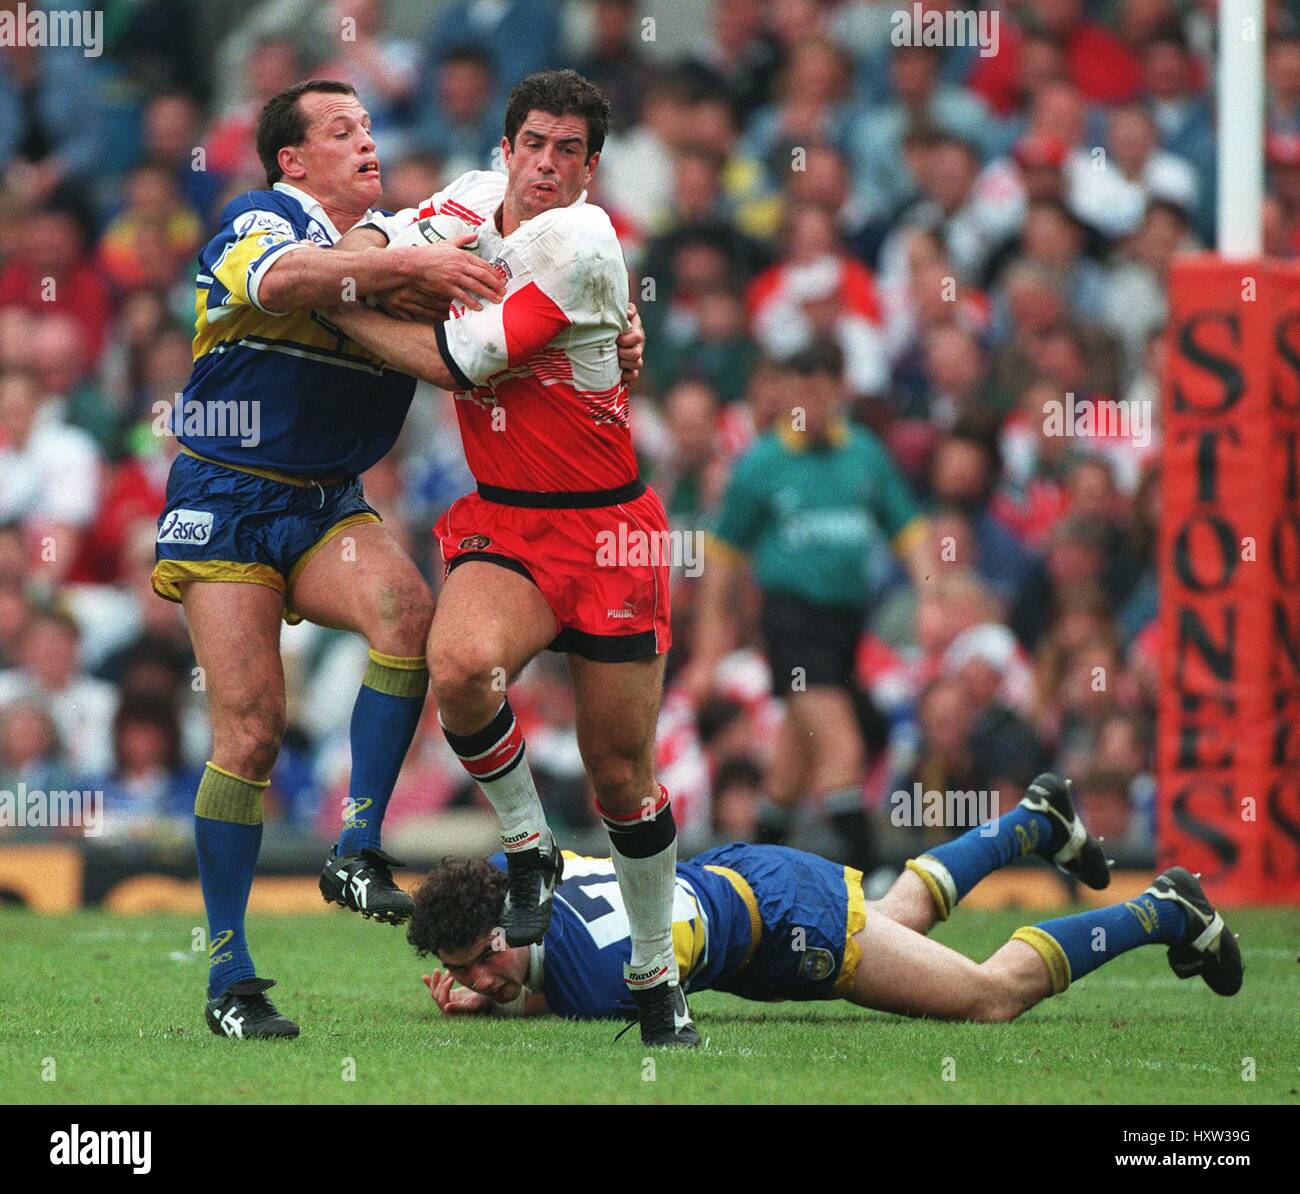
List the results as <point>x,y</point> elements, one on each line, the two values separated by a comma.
<point>96,1008</point>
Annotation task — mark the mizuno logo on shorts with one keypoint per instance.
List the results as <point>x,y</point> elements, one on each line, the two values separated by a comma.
<point>186,526</point>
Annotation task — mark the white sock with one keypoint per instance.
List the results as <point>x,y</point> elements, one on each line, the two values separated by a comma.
<point>644,852</point>
<point>494,756</point>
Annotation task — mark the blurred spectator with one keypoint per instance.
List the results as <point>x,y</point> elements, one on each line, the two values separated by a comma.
<point>1136,170</point>
<point>819,292</point>
<point>967,222</point>
<point>410,180</point>
<point>156,234</point>
<point>1174,95</point>
<point>171,136</point>
<point>30,751</point>
<point>49,119</point>
<point>49,475</point>
<point>814,89</point>
<point>274,64</point>
<point>463,125</point>
<point>615,61</point>
<point>921,100</point>
<point>382,68</point>
<point>1135,303</point>
<point>1095,59</point>
<point>737,797</point>
<point>1282,78</point>
<point>964,475</point>
<point>147,791</point>
<point>741,52</point>
<point>82,707</point>
<point>518,36</point>
<point>715,348</point>
<point>52,271</point>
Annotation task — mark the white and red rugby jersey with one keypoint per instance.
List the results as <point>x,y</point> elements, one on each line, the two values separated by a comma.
<point>542,404</point>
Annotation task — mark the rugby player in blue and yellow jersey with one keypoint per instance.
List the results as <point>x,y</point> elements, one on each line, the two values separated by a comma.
<point>772,923</point>
<point>281,415</point>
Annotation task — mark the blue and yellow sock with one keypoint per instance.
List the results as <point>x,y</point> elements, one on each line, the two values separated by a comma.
<point>1073,946</point>
<point>227,837</point>
<point>384,721</point>
<point>951,870</point>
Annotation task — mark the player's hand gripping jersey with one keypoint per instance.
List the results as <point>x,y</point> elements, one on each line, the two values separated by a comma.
<point>543,414</point>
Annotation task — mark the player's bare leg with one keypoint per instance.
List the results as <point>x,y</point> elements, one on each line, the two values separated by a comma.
<point>361,580</point>
<point>905,972</point>
<point>617,711</point>
<point>908,902</point>
<point>490,621</point>
<point>235,629</point>
<point>825,718</point>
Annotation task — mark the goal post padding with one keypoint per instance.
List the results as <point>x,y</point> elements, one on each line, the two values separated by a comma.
<point>1228,726</point>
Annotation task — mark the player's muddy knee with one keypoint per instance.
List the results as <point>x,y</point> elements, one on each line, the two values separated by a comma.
<point>249,742</point>
<point>404,615</point>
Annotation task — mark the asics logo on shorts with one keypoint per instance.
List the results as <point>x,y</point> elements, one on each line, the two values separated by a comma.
<point>186,526</point>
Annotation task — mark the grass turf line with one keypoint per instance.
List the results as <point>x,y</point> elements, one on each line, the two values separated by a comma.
<point>116,1002</point>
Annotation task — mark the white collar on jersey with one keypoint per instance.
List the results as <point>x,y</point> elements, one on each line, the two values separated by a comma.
<point>312,207</point>
<point>578,202</point>
<point>536,966</point>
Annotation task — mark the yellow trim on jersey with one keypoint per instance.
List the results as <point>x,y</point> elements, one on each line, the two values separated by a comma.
<point>907,538</point>
<point>269,474</point>
<point>689,943</point>
<point>837,435</point>
<point>351,520</point>
<point>1049,949</point>
<point>236,264</point>
<point>728,551</point>
<point>853,925</point>
<point>746,893</point>
<point>169,575</point>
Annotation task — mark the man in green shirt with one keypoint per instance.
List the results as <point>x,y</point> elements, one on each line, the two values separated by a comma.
<point>810,507</point>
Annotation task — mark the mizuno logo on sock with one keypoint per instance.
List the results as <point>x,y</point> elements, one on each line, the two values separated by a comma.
<point>517,841</point>
<point>644,978</point>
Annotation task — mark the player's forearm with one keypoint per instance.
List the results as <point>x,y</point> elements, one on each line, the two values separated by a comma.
<point>303,279</point>
<point>409,347</point>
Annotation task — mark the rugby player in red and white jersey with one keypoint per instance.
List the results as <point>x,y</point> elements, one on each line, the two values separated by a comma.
<point>543,415</point>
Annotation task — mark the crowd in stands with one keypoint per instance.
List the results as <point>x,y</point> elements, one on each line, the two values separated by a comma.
<point>981,235</point>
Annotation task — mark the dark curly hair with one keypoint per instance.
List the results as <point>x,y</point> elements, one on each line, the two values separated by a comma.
<point>459,901</point>
<point>559,93</point>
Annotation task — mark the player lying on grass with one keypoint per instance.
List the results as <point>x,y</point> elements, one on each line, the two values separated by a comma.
<point>770,923</point>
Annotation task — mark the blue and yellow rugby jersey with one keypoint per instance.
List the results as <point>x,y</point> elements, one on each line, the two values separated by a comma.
<point>325,406</point>
<point>715,928</point>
